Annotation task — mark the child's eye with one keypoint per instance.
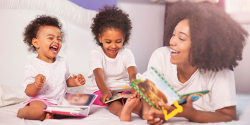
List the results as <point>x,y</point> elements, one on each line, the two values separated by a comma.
<point>108,42</point>
<point>118,41</point>
<point>50,38</point>
<point>60,40</point>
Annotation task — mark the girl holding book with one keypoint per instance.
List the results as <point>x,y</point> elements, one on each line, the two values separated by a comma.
<point>47,76</point>
<point>203,47</point>
<point>112,66</point>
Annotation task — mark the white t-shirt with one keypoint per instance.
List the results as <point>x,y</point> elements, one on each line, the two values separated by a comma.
<point>114,70</point>
<point>221,84</point>
<point>56,75</point>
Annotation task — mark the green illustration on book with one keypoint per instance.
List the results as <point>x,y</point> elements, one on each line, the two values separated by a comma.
<point>154,89</point>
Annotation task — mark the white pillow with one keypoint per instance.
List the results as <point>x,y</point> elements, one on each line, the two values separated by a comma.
<point>10,95</point>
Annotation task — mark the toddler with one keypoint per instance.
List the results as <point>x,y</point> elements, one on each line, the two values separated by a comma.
<point>47,76</point>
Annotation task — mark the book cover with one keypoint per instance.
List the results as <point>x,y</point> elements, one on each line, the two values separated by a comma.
<point>73,104</point>
<point>154,89</point>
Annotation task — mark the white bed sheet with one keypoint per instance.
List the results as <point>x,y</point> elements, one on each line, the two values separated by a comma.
<point>101,116</point>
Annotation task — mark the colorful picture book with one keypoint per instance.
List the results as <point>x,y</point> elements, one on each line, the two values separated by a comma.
<point>73,104</point>
<point>154,89</point>
<point>118,96</point>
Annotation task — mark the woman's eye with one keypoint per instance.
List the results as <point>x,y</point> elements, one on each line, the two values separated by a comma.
<point>181,39</point>
<point>50,38</point>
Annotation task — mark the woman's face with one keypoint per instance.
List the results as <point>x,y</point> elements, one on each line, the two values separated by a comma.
<point>180,43</point>
<point>112,41</point>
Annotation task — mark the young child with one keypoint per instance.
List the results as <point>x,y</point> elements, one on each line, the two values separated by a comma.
<point>46,76</point>
<point>112,66</point>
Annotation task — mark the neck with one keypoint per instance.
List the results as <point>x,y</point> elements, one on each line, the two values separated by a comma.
<point>45,59</point>
<point>184,72</point>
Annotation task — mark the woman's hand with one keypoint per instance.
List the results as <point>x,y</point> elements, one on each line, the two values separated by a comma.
<point>157,117</point>
<point>105,96</point>
<point>79,79</point>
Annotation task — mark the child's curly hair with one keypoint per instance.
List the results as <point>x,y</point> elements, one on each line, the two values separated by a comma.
<point>32,28</point>
<point>111,17</point>
<point>217,40</point>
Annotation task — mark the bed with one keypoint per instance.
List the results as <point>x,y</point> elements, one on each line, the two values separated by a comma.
<point>15,15</point>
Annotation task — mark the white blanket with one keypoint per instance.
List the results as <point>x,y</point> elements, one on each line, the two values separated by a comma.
<point>101,116</point>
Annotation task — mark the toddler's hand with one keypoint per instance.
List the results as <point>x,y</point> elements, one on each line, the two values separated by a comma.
<point>39,80</point>
<point>79,79</point>
<point>105,96</point>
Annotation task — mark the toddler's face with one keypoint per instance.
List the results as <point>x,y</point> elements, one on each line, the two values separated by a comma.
<point>112,41</point>
<point>49,41</point>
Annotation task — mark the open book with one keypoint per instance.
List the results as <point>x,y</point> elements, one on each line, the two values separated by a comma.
<point>73,104</point>
<point>154,89</point>
<point>119,94</point>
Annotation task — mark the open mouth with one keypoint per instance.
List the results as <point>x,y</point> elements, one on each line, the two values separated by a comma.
<point>54,48</point>
<point>174,51</point>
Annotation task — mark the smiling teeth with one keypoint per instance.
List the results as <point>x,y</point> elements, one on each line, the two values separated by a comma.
<point>171,50</point>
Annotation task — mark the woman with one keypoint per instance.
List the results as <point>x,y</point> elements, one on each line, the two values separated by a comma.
<point>203,46</point>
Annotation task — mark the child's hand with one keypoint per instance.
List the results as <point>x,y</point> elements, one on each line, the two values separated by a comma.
<point>79,79</point>
<point>39,80</point>
<point>105,96</point>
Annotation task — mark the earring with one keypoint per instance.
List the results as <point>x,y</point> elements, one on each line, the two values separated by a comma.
<point>37,47</point>
<point>100,41</point>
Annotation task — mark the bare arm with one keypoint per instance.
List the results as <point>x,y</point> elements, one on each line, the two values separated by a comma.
<point>132,75</point>
<point>99,78</point>
<point>222,115</point>
<point>225,114</point>
<point>132,72</point>
<point>32,89</point>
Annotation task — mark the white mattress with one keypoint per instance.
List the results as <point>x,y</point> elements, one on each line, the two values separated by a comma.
<point>101,116</point>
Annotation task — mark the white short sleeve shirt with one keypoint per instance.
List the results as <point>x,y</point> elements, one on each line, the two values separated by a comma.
<point>221,84</point>
<point>115,70</point>
<point>56,75</point>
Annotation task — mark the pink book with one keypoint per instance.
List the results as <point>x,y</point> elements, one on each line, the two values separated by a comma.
<point>73,104</point>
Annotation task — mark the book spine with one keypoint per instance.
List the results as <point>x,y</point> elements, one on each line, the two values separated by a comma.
<point>164,80</point>
<point>134,85</point>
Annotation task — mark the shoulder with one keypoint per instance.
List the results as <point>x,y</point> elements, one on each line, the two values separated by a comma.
<point>126,51</point>
<point>97,51</point>
<point>162,51</point>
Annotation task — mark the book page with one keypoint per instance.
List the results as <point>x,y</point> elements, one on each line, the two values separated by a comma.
<point>77,100</point>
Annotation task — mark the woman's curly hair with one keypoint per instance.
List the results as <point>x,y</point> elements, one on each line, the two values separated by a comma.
<point>217,40</point>
<point>111,17</point>
<point>32,28</point>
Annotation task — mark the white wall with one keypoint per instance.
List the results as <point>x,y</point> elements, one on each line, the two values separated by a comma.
<point>147,32</point>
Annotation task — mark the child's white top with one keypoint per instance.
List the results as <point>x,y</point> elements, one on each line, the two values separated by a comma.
<point>56,75</point>
<point>221,84</point>
<point>114,70</point>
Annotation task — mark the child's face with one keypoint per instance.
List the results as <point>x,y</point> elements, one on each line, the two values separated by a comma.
<point>49,41</point>
<point>180,43</point>
<point>112,41</point>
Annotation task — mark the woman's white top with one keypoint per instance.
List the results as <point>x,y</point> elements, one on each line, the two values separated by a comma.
<point>56,75</point>
<point>114,69</point>
<point>221,84</point>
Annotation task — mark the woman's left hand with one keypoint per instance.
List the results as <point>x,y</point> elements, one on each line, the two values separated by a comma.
<point>79,79</point>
